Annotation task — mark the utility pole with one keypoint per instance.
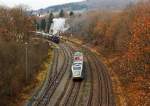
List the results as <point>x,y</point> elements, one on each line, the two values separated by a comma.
<point>26,46</point>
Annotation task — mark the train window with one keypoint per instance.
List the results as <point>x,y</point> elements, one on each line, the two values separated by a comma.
<point>77,64</point>
<point>76,68</point>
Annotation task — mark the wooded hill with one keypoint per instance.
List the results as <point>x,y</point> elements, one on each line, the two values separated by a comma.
<point>87,5</point>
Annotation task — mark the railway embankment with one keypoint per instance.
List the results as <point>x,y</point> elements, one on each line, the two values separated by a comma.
<point>29,92</point>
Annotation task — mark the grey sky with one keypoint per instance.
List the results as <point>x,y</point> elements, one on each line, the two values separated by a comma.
<point>35,4</point>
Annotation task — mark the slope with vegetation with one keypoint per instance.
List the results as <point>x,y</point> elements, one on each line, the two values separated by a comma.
<point>123,38</point>
<point>20,55</point>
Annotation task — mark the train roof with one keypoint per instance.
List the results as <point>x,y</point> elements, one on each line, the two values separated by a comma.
<point>78,57</point>
<point>78,54</point>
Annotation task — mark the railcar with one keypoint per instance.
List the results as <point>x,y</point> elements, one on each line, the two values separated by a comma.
<point>55,39</point>
<point>77,66</point>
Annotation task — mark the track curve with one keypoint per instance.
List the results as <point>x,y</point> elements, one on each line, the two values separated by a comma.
<point>60,90</point>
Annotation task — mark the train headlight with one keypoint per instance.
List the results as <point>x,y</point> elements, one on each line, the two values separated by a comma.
<point>77,73</point>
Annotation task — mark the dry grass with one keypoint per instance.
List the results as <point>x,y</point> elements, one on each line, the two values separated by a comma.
<point>27,92</point>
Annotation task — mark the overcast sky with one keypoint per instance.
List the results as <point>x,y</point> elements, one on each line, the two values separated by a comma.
<point>35,4</point>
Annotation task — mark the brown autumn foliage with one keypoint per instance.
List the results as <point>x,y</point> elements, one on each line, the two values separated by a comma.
<point>15,24</point>
<point>135,63</point>
<point>15,30</point>
<point>124,35</point>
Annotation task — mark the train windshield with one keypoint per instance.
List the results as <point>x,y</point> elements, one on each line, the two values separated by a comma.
<point>76,68</point>
<point>77,64</point>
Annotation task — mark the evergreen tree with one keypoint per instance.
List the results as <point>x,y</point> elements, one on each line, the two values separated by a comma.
<point>71,13</point>
<point>43,24</point>
<point>61,14</point>
<point>50,21</point>
<point>37,26</point>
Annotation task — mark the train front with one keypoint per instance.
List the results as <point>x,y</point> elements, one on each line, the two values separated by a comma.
<point>77,66</point>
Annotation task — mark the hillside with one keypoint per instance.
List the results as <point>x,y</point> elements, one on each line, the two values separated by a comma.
<point>87,5</point>
<point>67,7</point>
<point>108,4</point>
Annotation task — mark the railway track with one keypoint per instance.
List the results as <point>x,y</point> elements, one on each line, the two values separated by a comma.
<point>100,82</point>
<point>83,95</point>
<point>101,93</point>
<point>105,97</point>
<point>94,98</point>
<point>42,97</point>
<point>108,85</point>
<point>54,79</point>
<point>48,81</point>
<point>60,90</point>
<point>70,93</point>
